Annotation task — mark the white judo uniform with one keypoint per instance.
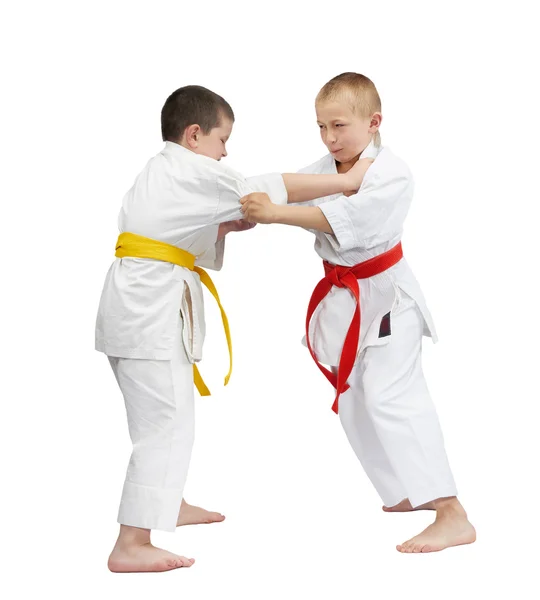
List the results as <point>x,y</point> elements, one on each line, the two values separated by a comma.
<point>387,412</point>
<point>150,319</point>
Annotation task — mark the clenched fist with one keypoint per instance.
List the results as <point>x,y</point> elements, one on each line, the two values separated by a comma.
<point>258,208</point>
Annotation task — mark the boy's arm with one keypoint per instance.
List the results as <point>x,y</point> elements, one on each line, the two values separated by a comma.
<point>381,205</point>
<point>229,187</point>
<point>290,187</point>
<point>258,208</point>
<point>213,257</point>
<point>302,187</point>
<point>308,217</point>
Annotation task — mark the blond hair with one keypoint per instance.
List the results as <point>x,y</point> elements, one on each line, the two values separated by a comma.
<point>359,90</point>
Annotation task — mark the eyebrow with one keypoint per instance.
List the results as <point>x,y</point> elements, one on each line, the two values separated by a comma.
<point>333,120</point>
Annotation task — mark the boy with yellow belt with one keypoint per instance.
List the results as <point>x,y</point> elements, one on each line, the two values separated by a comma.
<point>150,323</point>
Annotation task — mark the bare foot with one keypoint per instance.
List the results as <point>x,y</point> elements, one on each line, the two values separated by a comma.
<point>194,515</point>
<point>145,558</point>
<point>451,528</point>
<point>405,506</point>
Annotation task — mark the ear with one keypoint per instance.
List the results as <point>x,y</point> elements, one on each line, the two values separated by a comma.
<point>375,123</point>
<point>192,135</point>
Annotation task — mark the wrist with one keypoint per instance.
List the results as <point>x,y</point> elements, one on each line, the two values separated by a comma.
<point>346,184</point>
<point>278,214</point>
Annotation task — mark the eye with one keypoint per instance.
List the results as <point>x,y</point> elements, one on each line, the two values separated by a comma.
<point>321,126</point>
<point>339,125</point>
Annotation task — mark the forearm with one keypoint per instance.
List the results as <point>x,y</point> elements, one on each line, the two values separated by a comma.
<point>223,230</point>
<point>301,187</point>
<point>308,217</point>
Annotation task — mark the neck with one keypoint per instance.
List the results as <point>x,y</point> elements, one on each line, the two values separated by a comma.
<point>344,167</point>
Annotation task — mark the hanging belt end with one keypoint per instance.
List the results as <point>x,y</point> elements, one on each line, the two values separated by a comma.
<point>335,406</point>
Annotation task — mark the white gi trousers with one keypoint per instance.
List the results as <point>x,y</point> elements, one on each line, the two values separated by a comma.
<point>390,420</point>
<point>159,399</point>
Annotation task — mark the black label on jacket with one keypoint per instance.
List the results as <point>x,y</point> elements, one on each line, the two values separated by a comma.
<point>385,329</point>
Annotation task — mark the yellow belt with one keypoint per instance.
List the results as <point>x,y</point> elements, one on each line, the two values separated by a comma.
<point>137,246</point>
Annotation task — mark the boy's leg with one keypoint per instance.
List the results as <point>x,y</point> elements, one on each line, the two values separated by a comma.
<point>363,438</point>
<point>159,400</point>
<point>404,417</point>
<point>159,405</point>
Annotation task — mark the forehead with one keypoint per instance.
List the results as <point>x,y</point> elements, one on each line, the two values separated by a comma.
<point>333,110</point>
<point>225,127</point>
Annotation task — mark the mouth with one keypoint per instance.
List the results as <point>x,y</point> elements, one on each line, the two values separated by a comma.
<point>336,151</point>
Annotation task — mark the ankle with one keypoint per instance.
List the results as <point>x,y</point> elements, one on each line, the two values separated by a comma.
<point>132,536</point>
<point>449,506</point>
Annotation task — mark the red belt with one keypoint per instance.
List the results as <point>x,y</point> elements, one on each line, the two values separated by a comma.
<point>347,277</point>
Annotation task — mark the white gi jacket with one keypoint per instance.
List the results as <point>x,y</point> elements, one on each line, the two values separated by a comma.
<point>365,225</point>
<point>179,198</point>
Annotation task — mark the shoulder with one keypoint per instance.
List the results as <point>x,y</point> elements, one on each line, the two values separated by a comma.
<point>195,166</point>
<point>388,165</point>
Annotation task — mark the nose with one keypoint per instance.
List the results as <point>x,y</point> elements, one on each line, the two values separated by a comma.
<point>330,138</point>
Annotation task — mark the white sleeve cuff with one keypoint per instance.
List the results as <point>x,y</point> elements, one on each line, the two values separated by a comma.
<point>213,257</point>
<point>272,184</point>
<point>343,238</point>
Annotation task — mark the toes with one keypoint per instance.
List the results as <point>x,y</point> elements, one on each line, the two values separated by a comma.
<point>405,547</point>
<point>179,562</point>
<point>215,518</point>
<point>186,562</point>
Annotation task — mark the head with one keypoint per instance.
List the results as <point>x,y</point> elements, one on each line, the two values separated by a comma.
<point>197,119</point>
<point>349,115</point>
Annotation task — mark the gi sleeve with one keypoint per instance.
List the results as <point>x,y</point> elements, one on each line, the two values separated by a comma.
<point>213,257</point>
<point>232,186</point>
<point>380,206</point>
<point>272,184</point>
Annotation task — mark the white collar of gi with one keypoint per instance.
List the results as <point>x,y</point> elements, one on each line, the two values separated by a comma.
<point>181,152</point>
<point>177,149</point>
<point>370,151</point>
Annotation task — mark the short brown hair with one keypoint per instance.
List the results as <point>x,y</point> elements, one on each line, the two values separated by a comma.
<point>189,105</point>
<point>358,89</point>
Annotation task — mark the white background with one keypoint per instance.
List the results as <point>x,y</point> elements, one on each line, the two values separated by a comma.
<point>83,86</point>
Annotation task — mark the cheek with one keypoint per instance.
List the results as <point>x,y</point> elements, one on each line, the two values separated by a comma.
<point>353,141</point>
<point>344,138</point>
